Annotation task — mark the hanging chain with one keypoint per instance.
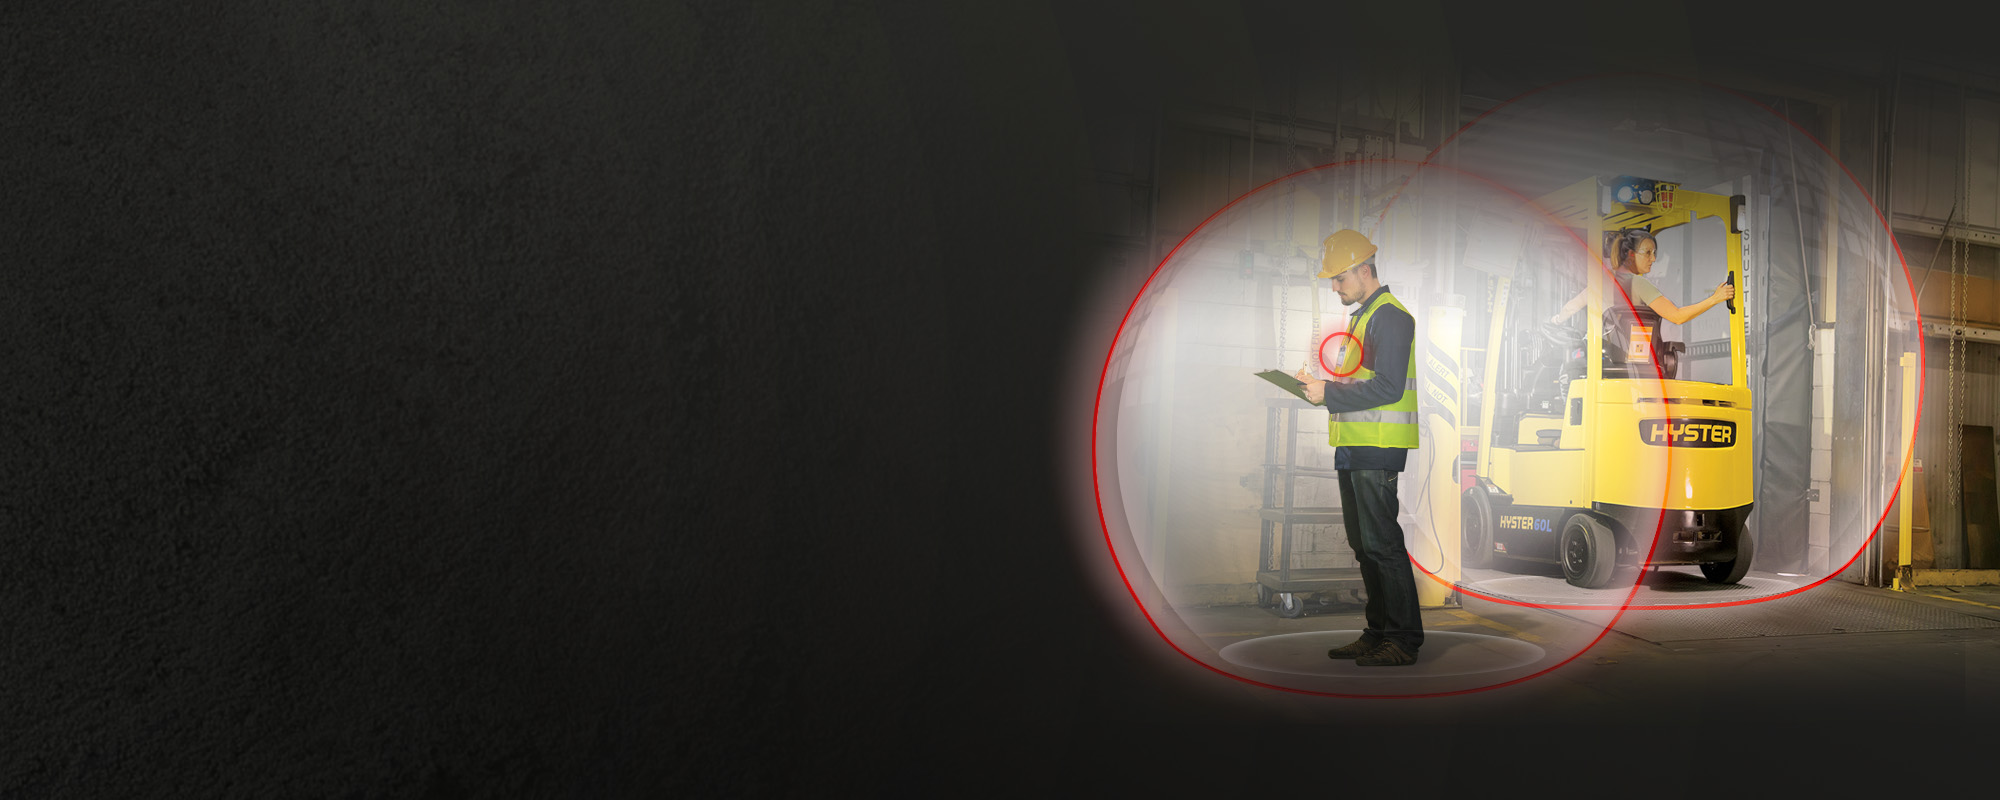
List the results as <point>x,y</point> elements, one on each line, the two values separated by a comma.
<point>1285,276</point>
<point>1312,347</point>
<point>1284,308</point>
<point>1964,360</point>
<point>1951,377</point>
<point>1954,356</point>
<point>1955,363</point>
<point>1961,267</point>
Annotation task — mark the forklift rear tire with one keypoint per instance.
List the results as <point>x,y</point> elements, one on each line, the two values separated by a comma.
<point>1290,605</point>
<point>1589,553</point>
<point>1733,570</point>
<point>1476,542</point>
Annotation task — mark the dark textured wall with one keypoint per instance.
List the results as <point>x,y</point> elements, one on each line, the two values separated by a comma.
<point>400,399</point>
<point>472,399</point>
<point>592,399</point>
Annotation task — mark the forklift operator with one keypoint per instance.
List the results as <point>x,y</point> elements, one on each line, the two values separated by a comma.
<point>1636,253</point>
<point>1373,426</point>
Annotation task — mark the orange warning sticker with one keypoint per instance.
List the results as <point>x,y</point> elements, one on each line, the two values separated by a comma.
<point>1641,348</point>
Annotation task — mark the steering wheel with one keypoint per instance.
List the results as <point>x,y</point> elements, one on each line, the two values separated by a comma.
<point>1561,335</point>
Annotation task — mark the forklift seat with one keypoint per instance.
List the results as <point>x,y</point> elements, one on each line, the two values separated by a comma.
<point>1618,324</point>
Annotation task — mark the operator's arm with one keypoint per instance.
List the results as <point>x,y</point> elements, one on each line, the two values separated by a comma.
<point>1678,315</point>
<point>1387,343</point>
<point>1570,307</point>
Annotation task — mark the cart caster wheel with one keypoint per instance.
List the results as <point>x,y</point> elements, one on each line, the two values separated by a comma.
<point>1290,605</point>
<point>1264,599</point>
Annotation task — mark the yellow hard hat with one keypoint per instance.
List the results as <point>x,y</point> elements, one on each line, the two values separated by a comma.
<point>1344,249</point>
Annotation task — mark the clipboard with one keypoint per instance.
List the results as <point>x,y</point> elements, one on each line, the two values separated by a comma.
<point>1286,382</point>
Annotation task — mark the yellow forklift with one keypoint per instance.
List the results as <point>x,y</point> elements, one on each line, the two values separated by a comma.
<point>1618,445</point>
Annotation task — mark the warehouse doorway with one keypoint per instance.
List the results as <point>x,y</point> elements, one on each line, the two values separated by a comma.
<point>1980,500</point>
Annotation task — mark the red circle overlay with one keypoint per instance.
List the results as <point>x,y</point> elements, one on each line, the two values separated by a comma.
<point>1357,354</point>
<point>1097,488</point>
<point>1617,610</point>
<point>1909,450</point>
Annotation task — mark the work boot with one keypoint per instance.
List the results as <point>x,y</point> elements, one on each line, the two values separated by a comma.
<point>1386,654</point>
<point>1354,649</point>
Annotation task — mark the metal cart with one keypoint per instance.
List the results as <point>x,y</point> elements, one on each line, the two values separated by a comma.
<point>1278,582</point>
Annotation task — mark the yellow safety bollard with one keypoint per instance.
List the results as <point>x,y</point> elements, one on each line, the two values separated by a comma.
<point>1901,582</point>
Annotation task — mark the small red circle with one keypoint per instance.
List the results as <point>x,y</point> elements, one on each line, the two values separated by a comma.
<point>1357,354</point>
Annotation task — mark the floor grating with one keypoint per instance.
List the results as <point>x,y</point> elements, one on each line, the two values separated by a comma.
<point>1832,607</point>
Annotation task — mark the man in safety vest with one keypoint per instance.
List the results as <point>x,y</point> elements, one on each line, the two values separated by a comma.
<point>1373,403</point>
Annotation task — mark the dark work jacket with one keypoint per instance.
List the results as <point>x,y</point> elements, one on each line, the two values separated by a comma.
<point>1385,348</point>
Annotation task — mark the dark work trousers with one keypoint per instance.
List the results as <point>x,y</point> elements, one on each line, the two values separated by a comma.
<point>1368,508</point>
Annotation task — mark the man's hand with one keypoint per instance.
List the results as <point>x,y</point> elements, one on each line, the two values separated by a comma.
<point>1315,391</point>
<point>1304,374</point>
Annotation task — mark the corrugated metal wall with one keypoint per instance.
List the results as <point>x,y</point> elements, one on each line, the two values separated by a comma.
<point>1979,405</point>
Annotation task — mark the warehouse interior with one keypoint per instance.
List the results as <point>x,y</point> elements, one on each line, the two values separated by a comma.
<point>1903,167</point>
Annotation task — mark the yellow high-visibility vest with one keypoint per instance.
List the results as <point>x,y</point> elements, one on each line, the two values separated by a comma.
<point>1392,425</point>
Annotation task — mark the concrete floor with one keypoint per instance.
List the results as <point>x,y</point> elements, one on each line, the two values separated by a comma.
<point>1837,653</point>
<point>1542,584</point>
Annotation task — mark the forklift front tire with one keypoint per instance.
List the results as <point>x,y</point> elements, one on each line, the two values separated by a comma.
<point>1477,532</point>
<point>1589,553</point>
<point>1732,571</point>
